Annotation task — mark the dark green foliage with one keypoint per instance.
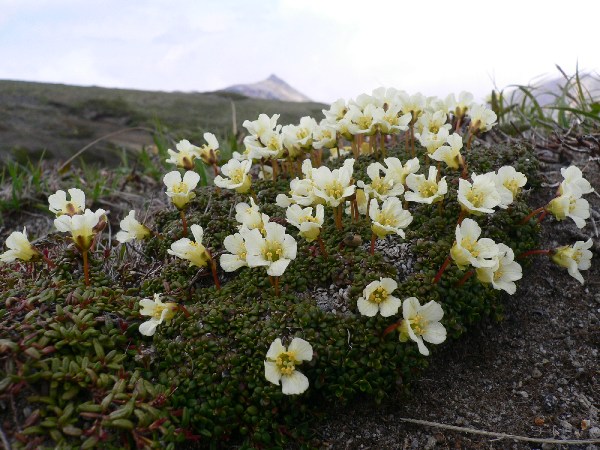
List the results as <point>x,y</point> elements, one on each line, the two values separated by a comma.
<point>69,350</point>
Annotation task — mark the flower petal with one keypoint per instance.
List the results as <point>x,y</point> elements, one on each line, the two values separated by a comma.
<point>293,384</point>
<point>303,351</point>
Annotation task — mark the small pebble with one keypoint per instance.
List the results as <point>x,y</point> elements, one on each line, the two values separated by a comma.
<point>523,394</point>
<point>536,373</point>
<point>594,432</point>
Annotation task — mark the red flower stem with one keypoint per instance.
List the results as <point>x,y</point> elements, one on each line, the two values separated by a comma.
<point>215,169</point>
<point>465,171</point>
<point>184,222</point>
<point>542,215</point>
<point>442,270</point>
<point>534,252</point>
<point>391,328</point>
<point>322,247</point>
<point>532,214</point>
<point>465,277</point>
<point>373,239</point>
<point>213,268</point>
<point>276,286</point>
<point>461,216</point>
<point>274,167</point>
<point>86,269</point>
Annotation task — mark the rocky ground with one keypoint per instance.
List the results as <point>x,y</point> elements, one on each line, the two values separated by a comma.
<point>534,375</point>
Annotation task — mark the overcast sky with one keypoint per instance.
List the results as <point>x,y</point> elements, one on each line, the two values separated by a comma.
<point>326,49</point>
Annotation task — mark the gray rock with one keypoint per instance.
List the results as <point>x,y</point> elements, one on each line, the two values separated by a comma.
<point>594,433</point>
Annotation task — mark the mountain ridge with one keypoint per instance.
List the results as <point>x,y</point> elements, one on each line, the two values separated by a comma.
<point>272,88</point>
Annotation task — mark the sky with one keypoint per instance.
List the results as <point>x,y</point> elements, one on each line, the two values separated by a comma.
<point>327,49</point>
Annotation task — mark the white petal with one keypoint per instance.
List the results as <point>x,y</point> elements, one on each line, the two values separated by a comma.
<point>435,333</point>
<point>293,384</point>
<point>277,268</point>
<point>422,349</point>
<point>230,263</point>
<point>303,351</point>
<point>272,374</point>
<point>149,328</point>
<point>198,233</point>
<point>171,178</point>
<point>390,306</point>
<point>410,307</point>
<point>275,349</point>
<point>389,285</point>
<point>367,308</point>
<point>432,311</point>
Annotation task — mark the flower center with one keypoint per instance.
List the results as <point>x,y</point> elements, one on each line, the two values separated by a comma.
<point>334,189</point>
<point>470,246</point>
<point>475,197</point>
<point>428,188</point>
<point>385,219</point>
<point>286,363</point>
<point>364,122</point>
<point>392,119</point>
<point>180,188</point>
<point>378,295</point>
<point>272,250</point>
<point>158,309</point>
<point>237,176</point>
<point>512,186</point>
<point>418,324</point>
<point>380,186</point>
<point>308,219</point>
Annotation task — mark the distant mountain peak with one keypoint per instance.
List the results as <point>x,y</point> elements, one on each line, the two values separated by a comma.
<point>273,88</point>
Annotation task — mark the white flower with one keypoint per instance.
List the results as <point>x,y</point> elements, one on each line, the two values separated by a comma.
<point>574,257</point>
<point>425,190</point>
<point>504,273</point>
<point>432,123</point>
<point>194,252</point>
<point>461,107</point>
<point>397,171</point>
<point>158,312</point>
<point>336,111</point>
<point>249,216</point>
<point>281,363</point>
<point>299,136</point>
<point>481,196</point>
<point>362,121</point>
<point>324,136</point>
<point>83,227</point>
<point>390,219</point>
<point>569,204</point>
<point>450,154</point>
<point>262,125</point>
<point>236,245</point>
<point>179,190</point>
<point>301,192</point>
<point>302,218</point>
<point>422,323</point>
<point>274,251</point>
<point>131,229</point>
<point>377,298</point>
<point>468,249</point>
<point>574,181</point>
<point>482,118</point>
<point>333,186</point>
<point>19,247</point>
<point>335,152</point>
<point>237,171</point>
<point>509,183</point>
<point>209,151</point>
<point>185,155</point>
<point>413,104</point>
<point>433,141</point>
<point>391,120</point>
<point>380,187</point>
<point>59,204</point>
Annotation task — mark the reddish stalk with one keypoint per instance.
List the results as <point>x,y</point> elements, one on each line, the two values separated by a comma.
<point>542,215</point>
<point>534,252</point>
<point>213,268</point>
<point>391,328</point>
<point>184,222</point>
<point>465,171</point>
<point>276,286</point>
<point>322,247</point>
<point>461,216</point>
<point>86,269</point>
<point>532,214</point>
<point>465,277</point>
<point>215,169</point>
<point>48,261</point>
<point>274,167</point>
<point>442,270</point>
<point>373,239</point>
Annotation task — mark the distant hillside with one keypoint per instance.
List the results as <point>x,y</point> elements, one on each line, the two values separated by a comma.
<point>273,88</point>
<point>59,119</point>
<point>548,89</point>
